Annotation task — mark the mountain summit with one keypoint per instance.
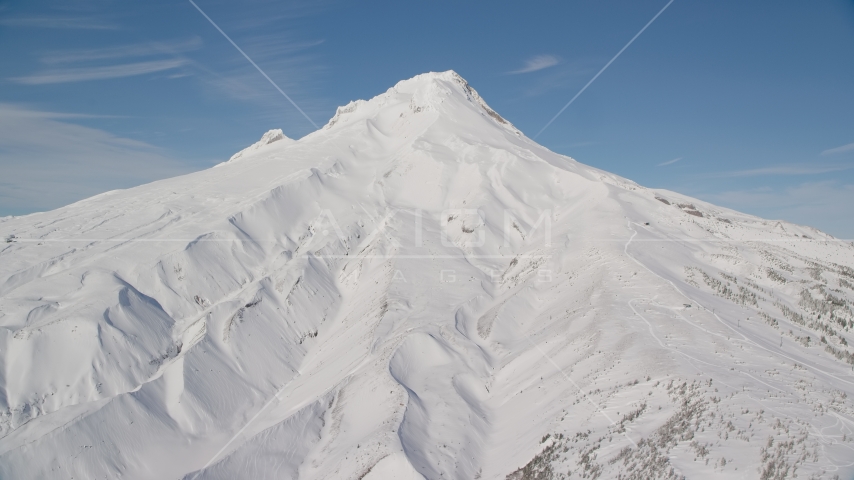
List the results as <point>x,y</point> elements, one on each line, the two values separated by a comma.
<point>417,290</point>
<point>428,92</point>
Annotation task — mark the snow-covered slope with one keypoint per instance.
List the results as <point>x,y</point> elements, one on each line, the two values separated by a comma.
<point>417,290</point>
<point>275,135</point>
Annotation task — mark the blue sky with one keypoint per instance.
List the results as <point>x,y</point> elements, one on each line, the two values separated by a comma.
<point>749,105</point>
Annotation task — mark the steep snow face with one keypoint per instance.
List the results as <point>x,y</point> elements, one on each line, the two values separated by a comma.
<point>417,290</point>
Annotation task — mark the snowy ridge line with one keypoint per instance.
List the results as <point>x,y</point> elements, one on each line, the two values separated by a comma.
<point>291,322</point>
<point>218,456</point>
<point>263,409</point>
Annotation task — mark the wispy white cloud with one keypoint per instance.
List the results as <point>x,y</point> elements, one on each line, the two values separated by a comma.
<point>40,114</point>
<point>89,64</point>
<point>77,23</point>
<point>99,73</point>
<point>537,62</point>
<point>842,149</point>
<point>48,162</point>
<point>291,62</point>
<point>123,51</point>
<point>252,62</point>
<point>669,162</point>
<point>824,205</point>
<point>788,169</point>
<point>560,78</point>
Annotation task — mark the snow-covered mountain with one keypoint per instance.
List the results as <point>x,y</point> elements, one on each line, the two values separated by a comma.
<point>418,290</point>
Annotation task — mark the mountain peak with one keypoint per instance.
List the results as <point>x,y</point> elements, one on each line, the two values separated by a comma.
<point>416,285</point>
<point>429,91</point>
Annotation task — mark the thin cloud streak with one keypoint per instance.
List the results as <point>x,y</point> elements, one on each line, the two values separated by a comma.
<point>669,162</point>
<point>74,23</point>
<point>99,73</point>
<point>787,170</point>
<point>23,113</point>
<point>48,162</point>
<point>558,78</point>
<point>824,205</point>
<point>209,19</point>
<point>124,51</point>
<point>535,63</point>
<point>842,149</point>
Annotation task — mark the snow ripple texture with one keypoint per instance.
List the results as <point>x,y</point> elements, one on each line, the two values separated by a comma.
<point>419,291</point>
